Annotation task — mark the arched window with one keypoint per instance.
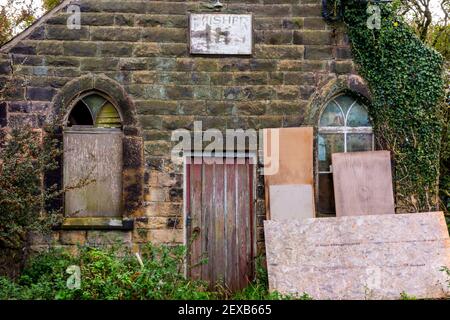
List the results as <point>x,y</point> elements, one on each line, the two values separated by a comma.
<point>344,126</point>
<point>95,109</point>
<point>93,159</point>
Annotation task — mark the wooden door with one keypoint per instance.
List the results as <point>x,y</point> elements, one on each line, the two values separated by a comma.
<point>220,223</point>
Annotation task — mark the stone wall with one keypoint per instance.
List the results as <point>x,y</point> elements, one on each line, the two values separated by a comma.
<point>143,46</point>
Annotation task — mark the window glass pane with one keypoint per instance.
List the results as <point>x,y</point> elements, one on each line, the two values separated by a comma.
<point>326,194</point>
<point>359,142</point>
<point>108,117</point>
<point>80,116</point>
<point>332,116</point>
<point>345,102</point>
<point>95,103</point>
<point>358,117</point>
<point>329,144</point>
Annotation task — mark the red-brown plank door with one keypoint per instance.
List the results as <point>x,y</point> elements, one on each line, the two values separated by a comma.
<point>220,224</point>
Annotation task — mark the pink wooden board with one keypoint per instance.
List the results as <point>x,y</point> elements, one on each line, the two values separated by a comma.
<point>360,257</point>
<point>363,183</point>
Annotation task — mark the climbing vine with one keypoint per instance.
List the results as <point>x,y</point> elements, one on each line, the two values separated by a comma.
<point>406,82</point>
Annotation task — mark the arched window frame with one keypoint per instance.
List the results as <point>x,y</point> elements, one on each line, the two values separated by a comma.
<point>345,130</point>
<point>86,94</point>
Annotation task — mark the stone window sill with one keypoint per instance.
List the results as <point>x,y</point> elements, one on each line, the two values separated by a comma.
<point>87,223</point>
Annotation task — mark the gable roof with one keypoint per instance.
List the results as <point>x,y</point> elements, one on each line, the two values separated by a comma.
<point>39,22</point>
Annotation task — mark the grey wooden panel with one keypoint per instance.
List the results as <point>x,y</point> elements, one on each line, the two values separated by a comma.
<point>94,156</point>
<point>291,201</point>
<point>360,257</point>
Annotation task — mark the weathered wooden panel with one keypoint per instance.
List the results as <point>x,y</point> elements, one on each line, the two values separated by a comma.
<point>94,159</point>
<point>360,257</point>
<point>363,183</point>
<point>220,223</point>
<point>291,201</point>
<point>221,34</point>
<point>293,150</point>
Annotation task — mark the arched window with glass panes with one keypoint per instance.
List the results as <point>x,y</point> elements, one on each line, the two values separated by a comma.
<point>344,126</point>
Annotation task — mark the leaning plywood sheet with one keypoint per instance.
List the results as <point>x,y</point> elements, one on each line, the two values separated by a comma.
<point>360,257</point>
<point>288,157</point>
<point>363,183</point>
<point>291,201</point>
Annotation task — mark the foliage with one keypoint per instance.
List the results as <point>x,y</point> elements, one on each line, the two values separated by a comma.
<point>430,21</point>
<point>259,288</point>
<point>25,155</point>
<point>106,275</point>
<point>439,38</point>
<point>16,16</point>
<point>405,296</point>
<point>405,78</point>
<point>116,274</point>
<point>447,271</point>
<point>444,182</point>
<point>50,4</point>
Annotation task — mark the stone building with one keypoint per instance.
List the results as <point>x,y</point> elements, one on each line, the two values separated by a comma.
<point>127,78</point>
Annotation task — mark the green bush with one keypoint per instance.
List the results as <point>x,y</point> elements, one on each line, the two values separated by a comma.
<point>25,156</point>
<point>116,274</point>
<point>106,274</point>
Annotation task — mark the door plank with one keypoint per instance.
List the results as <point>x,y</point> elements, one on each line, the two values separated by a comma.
<point>219,224</point>
<point>242,223</point>
<point>231,234</point>
<point>207,221</point>
<point>196,220</point>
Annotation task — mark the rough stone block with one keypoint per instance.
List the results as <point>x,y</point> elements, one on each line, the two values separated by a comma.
<point>101,238</point>
<point>73,237</point>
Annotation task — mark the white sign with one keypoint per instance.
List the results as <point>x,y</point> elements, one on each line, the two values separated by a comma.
<point>221,34</point>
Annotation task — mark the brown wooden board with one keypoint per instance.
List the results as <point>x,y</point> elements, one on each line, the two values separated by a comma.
<point>363,183</point>
<point>220,223</point>
<point>295,157</point>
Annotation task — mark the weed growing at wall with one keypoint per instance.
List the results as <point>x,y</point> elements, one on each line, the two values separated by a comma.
<point>406,81</point>
<point>116,274</point>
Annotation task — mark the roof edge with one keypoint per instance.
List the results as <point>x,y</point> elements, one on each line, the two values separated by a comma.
<point>21,36</point>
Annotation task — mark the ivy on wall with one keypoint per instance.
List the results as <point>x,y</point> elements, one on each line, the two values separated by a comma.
<point>406,81</point>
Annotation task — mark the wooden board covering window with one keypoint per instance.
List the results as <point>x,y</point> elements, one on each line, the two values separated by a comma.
<point>93,158</point>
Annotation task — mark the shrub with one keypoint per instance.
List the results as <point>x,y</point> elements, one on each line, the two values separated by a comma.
<point>25,155</point>
<point>106,274</point>
<point>116,274</point>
